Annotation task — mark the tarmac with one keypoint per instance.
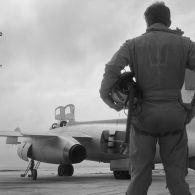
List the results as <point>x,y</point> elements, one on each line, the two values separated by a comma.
<point>87,180</point>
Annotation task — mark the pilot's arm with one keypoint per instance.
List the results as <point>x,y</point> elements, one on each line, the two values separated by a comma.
<point>112,73</point>
<point>191,66</point>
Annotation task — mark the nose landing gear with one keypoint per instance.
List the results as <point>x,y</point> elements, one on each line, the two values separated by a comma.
<point>33,168</point>
<point>65,170</point>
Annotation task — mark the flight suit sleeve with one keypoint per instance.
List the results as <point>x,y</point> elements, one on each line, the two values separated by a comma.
<point>191,66</point>
<point>191,56</point>
<point>113,68</point>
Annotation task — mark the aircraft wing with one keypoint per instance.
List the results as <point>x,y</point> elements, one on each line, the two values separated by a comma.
<point>24,134</point>
<point>76,135</point>
<point>10,134</point>
<point>38,134</point>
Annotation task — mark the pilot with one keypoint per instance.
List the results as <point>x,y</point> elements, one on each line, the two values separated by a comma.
<point>158,58</point>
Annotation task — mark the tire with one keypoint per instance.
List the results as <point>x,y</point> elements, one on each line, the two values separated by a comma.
<point>121,175</point>
<point>61,170</point>
<point>34,174</point>
<point>69,170</point>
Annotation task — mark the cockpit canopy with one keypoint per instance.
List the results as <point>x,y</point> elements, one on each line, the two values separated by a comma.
<point>64,115</point>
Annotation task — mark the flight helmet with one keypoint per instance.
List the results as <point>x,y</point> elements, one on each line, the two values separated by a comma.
<point>121,89</point>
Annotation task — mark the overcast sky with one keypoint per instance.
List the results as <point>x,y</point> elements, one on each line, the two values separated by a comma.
<point>53,53</point>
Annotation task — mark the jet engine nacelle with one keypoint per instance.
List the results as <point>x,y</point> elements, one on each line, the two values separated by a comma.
<point>24,150</point>
<point>57,150</point>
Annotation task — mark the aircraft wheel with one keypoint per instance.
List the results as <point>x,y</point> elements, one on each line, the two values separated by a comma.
<point>65,170</point>
<point>121,175</point>
<point>69,170</point>
<point>34,174</point>
<point>61,170</point>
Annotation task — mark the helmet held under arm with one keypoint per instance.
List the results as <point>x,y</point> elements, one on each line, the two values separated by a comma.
<point>121,89</point>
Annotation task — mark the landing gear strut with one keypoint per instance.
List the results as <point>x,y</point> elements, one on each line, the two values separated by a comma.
<point>33,168</point>
<point>65,170</point>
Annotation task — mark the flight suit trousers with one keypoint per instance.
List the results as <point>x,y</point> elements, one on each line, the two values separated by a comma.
<point>173,151</point>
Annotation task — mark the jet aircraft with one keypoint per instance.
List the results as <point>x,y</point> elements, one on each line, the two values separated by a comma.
<point>68,142</point>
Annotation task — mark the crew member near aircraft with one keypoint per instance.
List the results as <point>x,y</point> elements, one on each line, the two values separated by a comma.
<point>158,59</point>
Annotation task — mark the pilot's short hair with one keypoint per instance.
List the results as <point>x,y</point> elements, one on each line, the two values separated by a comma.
<point>158,12</point>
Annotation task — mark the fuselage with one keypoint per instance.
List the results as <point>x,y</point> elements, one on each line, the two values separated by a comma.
<point>93,136</point>
<point>95,129</point>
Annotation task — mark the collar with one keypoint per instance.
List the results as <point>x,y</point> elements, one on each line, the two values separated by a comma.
<point>162,27</point>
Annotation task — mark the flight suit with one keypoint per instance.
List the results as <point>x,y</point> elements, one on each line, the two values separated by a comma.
<point>158,58</point>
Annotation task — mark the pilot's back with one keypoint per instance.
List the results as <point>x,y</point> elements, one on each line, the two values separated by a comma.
<point>159,65</point>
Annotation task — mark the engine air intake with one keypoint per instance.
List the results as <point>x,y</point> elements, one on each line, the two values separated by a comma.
<point>77,153</point>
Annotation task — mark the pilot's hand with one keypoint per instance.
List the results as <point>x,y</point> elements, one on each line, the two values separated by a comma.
<point>190,112</point>
<point>191,115</point>
<point>116,106</point>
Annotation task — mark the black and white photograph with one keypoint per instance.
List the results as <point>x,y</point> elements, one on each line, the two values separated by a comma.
<point>97,97</point>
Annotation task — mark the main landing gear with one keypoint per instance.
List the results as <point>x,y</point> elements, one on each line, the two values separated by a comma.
<point>33,168</point>
<point>65,170</point>
<point>121,174</point>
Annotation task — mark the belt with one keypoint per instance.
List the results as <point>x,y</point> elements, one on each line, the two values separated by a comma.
<point>166,95</point>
